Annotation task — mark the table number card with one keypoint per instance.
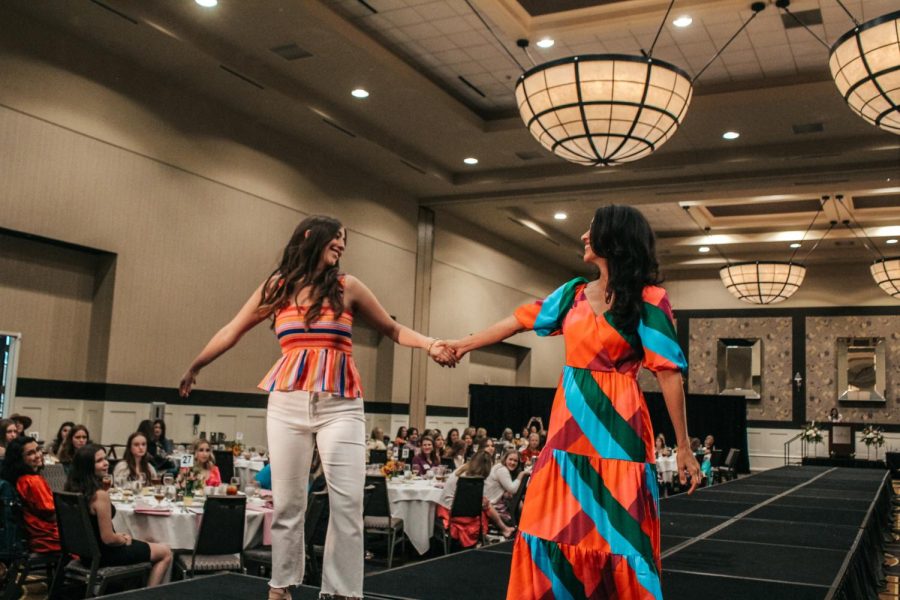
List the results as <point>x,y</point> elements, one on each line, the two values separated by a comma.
<point>239,436</point>
<point>187,461</point>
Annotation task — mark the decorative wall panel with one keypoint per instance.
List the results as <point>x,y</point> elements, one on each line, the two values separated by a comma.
<point>821,366</point>
<point>775,333</point>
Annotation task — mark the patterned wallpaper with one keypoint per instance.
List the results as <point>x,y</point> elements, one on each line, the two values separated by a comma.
<point>775,333</point>
<point>821,366</point>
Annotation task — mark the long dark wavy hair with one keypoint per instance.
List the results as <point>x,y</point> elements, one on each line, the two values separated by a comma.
<point>137,466</point>
<point>67,453</point>
<point>83,474</point>
<point>298,269</point>
<point>622,235</point>
<point>14,463</point>
<point>58,441</point>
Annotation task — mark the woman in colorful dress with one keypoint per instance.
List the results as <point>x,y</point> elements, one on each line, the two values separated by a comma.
<point>590,524</point>
<point>315,398</point>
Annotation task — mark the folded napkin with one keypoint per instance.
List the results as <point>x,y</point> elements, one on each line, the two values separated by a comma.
<point>257,507</point>
<point>153,510</point>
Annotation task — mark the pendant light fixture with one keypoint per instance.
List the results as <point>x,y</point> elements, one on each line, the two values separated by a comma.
<point>865,66</point>
<point>608,109</point>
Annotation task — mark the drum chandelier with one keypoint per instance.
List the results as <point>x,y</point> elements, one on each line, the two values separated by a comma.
<point>886,273</point>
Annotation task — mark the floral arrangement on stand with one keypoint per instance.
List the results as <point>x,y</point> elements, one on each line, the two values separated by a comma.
<point>392,468</point>
<point>811,434</point>
<point>872,436</point>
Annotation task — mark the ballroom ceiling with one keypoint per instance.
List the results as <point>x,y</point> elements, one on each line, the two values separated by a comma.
<point>441,77</point>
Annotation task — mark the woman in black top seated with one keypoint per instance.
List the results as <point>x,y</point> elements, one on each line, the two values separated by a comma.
<point>116,549</point>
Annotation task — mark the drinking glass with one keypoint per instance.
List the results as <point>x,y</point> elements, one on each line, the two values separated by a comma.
<point>168,480</point>
<point>106,482</point>
<point>159,494</point>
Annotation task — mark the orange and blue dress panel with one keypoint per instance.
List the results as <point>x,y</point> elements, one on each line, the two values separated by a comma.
<point>317,357</point>
<point>590,524</point>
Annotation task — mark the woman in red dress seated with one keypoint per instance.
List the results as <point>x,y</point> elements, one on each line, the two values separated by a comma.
<point>21,469</point>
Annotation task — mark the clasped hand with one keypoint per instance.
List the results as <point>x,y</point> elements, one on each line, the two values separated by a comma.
<point>447,353</point>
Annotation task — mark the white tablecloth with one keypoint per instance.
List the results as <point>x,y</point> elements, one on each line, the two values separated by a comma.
<point>247,469</point>
<point>415,502</point>
<point>179,530</point>
<point>666,466</point>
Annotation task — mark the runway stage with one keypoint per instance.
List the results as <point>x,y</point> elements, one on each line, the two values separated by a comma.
<point>801,533</point>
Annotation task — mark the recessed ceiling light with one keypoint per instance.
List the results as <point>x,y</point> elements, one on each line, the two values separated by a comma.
<point>471,160</point>
<point>207,3</point>
<point>560,216</point>
<point>703,249</point>
<point>731,135</point>
<point>682,21</point>
<point>545,43</point>
<point>891,241</point>
<point>795,245</point>
<point>359,93</point>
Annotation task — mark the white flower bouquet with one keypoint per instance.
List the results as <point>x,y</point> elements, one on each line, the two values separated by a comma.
<point>811,434</point>
<point>872,436</point>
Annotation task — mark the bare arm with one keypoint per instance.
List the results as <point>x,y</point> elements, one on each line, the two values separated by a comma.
<point>248,317</point>
<point>361,299</point>
<point>672,386</point>
<point>497,332</point>
<point>108,536</point>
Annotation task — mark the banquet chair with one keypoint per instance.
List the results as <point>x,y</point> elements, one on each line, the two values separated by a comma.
<point>14,554</point>
<point>76,536</point>
<point>220,543</point>
<point>515,503</point>
<point>449,463</point>
<point>377,519</point>
<point>55,476</point>
<point>728,469</point>
<point>225,462</point>
<point>378,456</point>
<point>467,502</point>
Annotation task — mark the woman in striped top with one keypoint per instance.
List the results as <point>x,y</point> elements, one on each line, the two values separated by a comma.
<point>315,397</point>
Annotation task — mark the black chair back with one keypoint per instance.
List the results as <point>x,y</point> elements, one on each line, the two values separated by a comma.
<point>76,535</point>
<point>225,462</point>
<point>222,526</point>
<point>315,508</point>
<point>448,462</point>
<point>468,499</point>
<point>715,458</point>
<point>379,505</point>
<point>56,477</point>
<point>378,456</point>
<point>515,502</point>
<point>732,457</point>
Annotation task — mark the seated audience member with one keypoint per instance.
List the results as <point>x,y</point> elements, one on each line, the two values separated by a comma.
<point>533,450</point>
<point>155,450</point>
<point>400,439</point>
<point>135,464</point>
<point>427,458</point>
<point>264,477</point>
<point>481,432</point>
<point>501,485</point>
<point>484,444</point>
<point>21,468</point>
<point>469,442</point>
<point>709,444</point>
<point>61,434</point>
<point>661,448</point>
<point>89,465</point>
<point>457,452</point>
<point>8,432</point>
<point>507,440</point>
<point>77,438</point>
<point>159,437</point>
<point>703,458</point>
<point>834,416</point>
<point>205,469</point>
<point>375,441</point>
<point>465,529</point>
<point>439,445</point>
<point>23,423</point>
<point>412,440</point>
<point>452,436</point>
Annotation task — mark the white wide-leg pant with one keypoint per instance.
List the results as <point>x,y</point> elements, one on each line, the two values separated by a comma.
<point>296,422</point>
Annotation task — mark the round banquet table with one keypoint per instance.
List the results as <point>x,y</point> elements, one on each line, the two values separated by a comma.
<point>179,529</point>
<point>415,501</point>
<point>666,466</point>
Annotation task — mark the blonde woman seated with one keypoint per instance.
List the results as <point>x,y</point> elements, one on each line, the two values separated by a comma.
<point>204,469</point>
<point>135,463</point>
<point>465,529</point>
<point>501,485</point>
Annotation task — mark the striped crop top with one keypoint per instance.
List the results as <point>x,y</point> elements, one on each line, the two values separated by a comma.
<point>317,358</point>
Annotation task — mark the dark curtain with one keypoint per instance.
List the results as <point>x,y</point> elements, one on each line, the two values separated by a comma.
<point>496,407</point>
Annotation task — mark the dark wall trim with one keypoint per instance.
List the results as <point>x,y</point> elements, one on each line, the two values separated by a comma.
<point>114,392</point>
<point>58,243</point>
<point>798,365</point>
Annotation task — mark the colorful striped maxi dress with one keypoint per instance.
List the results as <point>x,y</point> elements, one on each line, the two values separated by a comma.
<point>590,524</point>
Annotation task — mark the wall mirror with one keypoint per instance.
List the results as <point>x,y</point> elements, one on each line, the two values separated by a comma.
<point>739,367</point>
<point>861,369</point>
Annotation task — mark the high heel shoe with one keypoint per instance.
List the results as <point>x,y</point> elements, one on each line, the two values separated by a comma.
<point>279,594</point>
